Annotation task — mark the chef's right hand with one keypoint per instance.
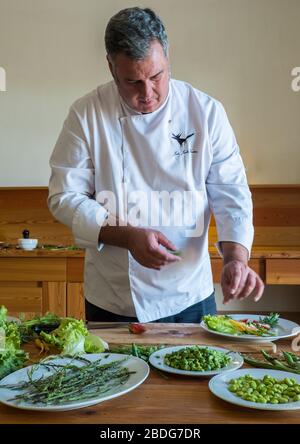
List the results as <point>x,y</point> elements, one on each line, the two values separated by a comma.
<point>144,245</point>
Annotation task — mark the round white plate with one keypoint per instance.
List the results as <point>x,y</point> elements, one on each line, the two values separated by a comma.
<point>137,365</point>
<point>218,386</point>
<point>284,329</point>
<point>157,360</point>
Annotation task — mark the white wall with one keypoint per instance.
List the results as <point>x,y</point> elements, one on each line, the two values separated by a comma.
<point>239,51</point>
<point>277,298</point>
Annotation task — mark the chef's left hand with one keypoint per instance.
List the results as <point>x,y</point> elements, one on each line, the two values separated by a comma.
<point>238,281</point>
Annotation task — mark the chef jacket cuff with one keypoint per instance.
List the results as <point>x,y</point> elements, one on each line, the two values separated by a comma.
<point>241,233</point>
<point>88,219</point>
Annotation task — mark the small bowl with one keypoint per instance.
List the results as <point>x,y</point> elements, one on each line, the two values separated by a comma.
<point>27,244</point>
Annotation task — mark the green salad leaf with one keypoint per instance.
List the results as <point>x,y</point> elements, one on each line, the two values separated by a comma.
<point>72,338</point>
<point>11,357</point>
<point>3,313</point>
<point>219,323</point>
<point>94,344</point>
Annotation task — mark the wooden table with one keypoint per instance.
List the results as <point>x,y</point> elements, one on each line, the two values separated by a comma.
<point>176,400</point>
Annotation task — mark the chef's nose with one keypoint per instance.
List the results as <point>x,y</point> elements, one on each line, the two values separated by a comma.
<point>146,90</point>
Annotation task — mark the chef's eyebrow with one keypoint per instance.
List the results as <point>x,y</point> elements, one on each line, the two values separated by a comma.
<point>152,77</point>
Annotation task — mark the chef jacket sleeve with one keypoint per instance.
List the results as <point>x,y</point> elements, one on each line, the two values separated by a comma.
<point>71,186</point>
<point>226,183</point>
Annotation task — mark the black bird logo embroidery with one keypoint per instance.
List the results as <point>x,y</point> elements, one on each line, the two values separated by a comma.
<point>181,140</point>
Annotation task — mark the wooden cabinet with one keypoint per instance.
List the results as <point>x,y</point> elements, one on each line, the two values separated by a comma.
<point>36,285</point>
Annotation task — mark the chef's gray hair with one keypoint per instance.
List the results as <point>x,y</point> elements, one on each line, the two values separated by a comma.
<point>132,30</point>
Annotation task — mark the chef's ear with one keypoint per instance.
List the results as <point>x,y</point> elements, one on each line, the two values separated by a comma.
<point>110,65</point>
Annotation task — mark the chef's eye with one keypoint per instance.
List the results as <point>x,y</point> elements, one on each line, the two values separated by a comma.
<point>157,76</point>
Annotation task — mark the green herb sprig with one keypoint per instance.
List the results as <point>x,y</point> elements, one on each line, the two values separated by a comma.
<point>70,382</point>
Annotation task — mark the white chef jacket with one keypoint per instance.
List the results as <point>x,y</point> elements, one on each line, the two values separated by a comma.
<point>104,145</point>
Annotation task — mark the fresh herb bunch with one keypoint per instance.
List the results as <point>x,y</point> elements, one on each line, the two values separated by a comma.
<point>60,247</point>
<point>272,319</point>
<point>70,382</point>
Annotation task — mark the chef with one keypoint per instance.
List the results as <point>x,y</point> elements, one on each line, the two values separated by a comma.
<point>140,165</point>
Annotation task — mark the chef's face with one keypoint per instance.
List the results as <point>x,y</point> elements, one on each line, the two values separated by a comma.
<point>143,84</point>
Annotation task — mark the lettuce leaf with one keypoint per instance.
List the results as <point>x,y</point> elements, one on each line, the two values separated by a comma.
<point>3,313</point>
<point>69,337</point>
<point>11,360</point>
<point>73,338</point>
<point>221,324</point>
<point>94,344</point>
<point>11,357</point>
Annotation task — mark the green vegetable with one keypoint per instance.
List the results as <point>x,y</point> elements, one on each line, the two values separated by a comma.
<point>265,390</point>
<point>175,252</point>
<point>141,351</point>
<point>69,337</point>
<point>71,382</point>
<point>59,247</point>
<point>197,358</point>
<point>286,361</point>
<point>73,338</point>
<point>272,319</point>
<point>94,344</point>
<point>220,323</point>
<point>3,313</point>
<point>11,357</point>
<point>228,325</point>
<point>30,329</point>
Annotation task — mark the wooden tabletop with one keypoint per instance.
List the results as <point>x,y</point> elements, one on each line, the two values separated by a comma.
<point>257,252</point>
<point>175,400</point>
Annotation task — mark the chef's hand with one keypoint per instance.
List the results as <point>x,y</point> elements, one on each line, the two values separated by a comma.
<point>238,281</point>
<point>144,245</point>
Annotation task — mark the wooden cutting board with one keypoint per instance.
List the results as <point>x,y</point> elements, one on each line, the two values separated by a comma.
<point>177,334</point>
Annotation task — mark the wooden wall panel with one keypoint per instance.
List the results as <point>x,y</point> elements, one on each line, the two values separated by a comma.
<point>276,216</point>
<point>256,264</point>
<point>283,271</point>
<point>285,236</point>
<point>22,208</point>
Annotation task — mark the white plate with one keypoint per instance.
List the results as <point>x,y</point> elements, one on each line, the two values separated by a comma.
<point>137,365</point>
<point>218,386</point>
<point>284,329</point>
<point>157,360</point>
